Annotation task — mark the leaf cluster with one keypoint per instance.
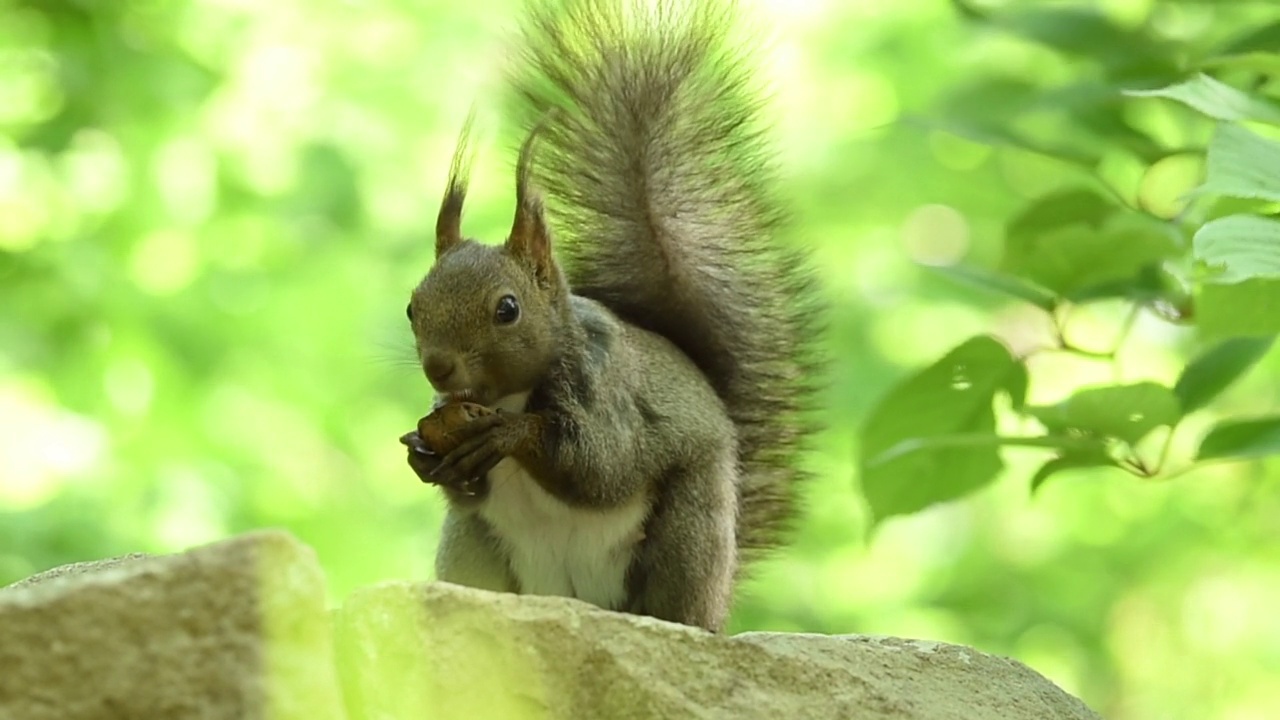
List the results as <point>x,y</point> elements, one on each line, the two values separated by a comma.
<point>1208,261</point>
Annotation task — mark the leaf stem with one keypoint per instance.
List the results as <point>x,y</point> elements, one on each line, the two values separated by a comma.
<point>1126,327</point>
<point>1066,346</point>
<point>906,447</point>
<point>1164,450</point>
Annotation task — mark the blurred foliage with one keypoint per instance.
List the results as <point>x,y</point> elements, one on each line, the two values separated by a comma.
<point>1205,256</point>
<point>212,211</point>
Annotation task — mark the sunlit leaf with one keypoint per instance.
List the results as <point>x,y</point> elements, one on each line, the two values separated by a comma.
<point>1242,164</point>
<point>953,395</point>
<point>1213,370</point>
<point>1223,206</point>
<point>1248,308</point>
<point>1242,439</point>
<point>1238,248</point>
<point>1125,412</point>
<point>1215,99</point>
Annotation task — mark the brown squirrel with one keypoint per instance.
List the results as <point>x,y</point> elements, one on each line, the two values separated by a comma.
<point>653,385</point>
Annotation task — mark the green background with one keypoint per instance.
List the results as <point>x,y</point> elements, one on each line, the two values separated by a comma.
<point>212,213</point>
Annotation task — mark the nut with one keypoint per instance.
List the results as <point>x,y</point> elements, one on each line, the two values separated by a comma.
<point>437,429</point>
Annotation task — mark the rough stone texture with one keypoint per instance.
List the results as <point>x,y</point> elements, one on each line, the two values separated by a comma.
<point>238,629</point>
<point>176,636</point>
<point>79,568</point>
<point>407,649</point>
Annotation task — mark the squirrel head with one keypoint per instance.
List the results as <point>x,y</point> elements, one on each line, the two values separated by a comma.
<point>488,320</point>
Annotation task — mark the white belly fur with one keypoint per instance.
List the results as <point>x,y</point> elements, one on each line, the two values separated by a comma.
<point>555,549</point>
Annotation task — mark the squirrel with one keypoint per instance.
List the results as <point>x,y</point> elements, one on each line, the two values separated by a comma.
<point>652,378</point>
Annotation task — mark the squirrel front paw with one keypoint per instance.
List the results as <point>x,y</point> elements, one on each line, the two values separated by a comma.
<point>425,463</point>
<point>485,441</point>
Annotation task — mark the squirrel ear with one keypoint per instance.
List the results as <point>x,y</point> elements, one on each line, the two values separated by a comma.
<point>530,238</point>
<point>449,221</point>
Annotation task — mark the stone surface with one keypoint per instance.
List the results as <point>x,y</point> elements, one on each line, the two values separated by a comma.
<point>79,568</point>
<point>238,629</point>
<point>178,636</point>
<point>410,650</point>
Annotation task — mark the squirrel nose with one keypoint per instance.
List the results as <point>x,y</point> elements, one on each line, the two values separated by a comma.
<point>440,368</point>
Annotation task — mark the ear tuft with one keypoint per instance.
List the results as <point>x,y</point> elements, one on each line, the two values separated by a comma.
<point>530,239</point>
<point>449,220</point>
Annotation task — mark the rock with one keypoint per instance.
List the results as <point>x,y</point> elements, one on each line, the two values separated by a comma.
<point>407,650</point>
<point>181,636</point>
<point>238,629</point>
<point>79,568</point>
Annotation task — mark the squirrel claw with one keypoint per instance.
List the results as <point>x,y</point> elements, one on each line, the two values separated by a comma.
<point>468,488</point>
<point>474,458</point>
<point>421,459</point>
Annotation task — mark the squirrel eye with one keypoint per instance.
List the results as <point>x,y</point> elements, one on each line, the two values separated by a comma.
<point>408,310</point>
<point>508,310</point>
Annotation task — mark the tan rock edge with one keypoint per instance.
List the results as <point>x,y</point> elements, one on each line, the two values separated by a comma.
<point>232,630</point>
<point>238,629</point>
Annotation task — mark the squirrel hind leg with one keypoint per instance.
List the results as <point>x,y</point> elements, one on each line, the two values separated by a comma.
<point>684,569</point>
<point>470,555</point>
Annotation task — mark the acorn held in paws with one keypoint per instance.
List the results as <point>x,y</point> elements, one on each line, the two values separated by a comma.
<point>437,429</point>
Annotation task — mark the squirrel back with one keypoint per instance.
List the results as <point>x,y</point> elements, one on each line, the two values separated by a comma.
<point>654,161</point>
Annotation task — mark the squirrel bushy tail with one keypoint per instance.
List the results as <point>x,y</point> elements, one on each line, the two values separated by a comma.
<point>653,160</point>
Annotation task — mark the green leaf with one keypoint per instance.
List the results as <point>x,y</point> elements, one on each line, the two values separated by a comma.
<point>1099,124</point>
<point>990,109</point>
<point>1006,284</point>
<point>1079,244</point>
<point>1265,38</point>
<point>1125,412</point>
<point>1150,284</point>
<point>1241,439</point>
<point>1012,113</point>
<point>1015,386</point>
<point>1073,30</point>
<point>1224,206</point>
<point>953,395</point>
<point>1074,205</point>
<point>986,98</point>
<point>1248,308</point>
<point>1257,61</point>
<point>1215,99</point>
<point>1238,248</point>
<point>1242,164</point>
<point>995,134</point>
<point>1094,457</point>
<point>1082,32</point>
<point>1213,370</point>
